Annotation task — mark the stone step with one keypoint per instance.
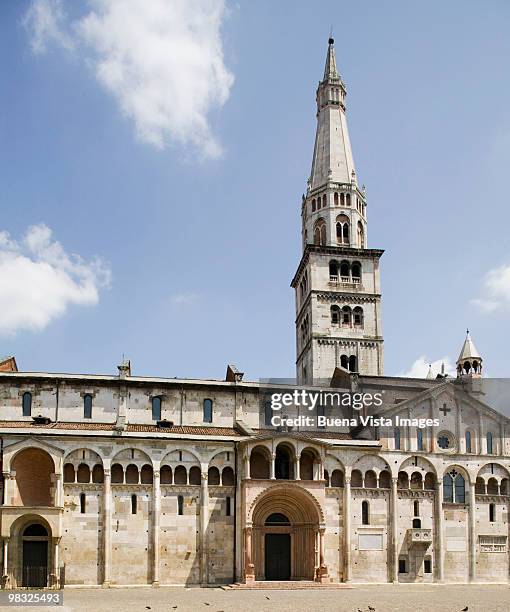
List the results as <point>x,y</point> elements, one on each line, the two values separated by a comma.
<point>288,585</point>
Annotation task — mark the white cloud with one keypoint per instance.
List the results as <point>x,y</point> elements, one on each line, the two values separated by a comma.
<point>420,367</point>
<point>45,20</point>
<point>179,299</point>
<point>161,60</point>
<point>39,280</point>
<point>496,291</point>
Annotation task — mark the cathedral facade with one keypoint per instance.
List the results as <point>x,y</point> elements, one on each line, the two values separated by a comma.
<point>126,480</point>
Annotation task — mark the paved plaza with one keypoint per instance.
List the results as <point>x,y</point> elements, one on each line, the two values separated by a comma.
<point>382,598</point>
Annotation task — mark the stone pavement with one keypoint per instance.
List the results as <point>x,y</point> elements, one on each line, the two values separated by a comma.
<point>382,598</point>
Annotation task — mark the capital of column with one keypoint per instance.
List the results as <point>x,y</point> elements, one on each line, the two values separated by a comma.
<point>347,480</point>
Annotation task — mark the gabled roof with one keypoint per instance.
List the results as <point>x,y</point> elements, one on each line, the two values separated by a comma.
<point>8,364</point>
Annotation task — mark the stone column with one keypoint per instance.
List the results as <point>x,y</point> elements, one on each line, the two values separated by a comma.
<point>273,461</point>
<point>249,569</point>
<point>7,489</point>
<point>247,473</point>
<point>6,556</point>
<point>204,524</point>
<point>59,491</point>
<point>472,532</point>
<point>439,532</point>
<point>394,531</point>
<point>297,469</point>
<point>322,570</point>
<point>56,576</point>
<point>347,529</point>
<point>107,527</point>
<point>155,525</point>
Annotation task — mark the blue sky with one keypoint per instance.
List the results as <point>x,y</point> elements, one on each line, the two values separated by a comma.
<point>187,225</point>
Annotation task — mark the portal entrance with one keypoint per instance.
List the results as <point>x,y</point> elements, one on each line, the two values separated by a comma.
<point>277,556</point>
<point>35,557</point>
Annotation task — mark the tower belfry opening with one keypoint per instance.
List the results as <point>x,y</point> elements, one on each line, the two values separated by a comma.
<point>337,283</point>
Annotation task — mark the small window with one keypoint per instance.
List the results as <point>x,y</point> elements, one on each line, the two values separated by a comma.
<point>268,412</point>
<point>365,518</point>
<point>416,523</point>
<point>427,566</point>
<point>468,442</point>
<point>402,566</point>
<point>490,447</point>
<point>492,513</point>
<point>419,439</point>
<point>87,406</point>
<point>208,411</point>
<point>416,508</point>
<point>397,438</point>
<point>180,505</point>
<point>83,503</point>
<point>156,409</point>
<point>133,504</point>
<point>228,506</point>
<point>27,404</point>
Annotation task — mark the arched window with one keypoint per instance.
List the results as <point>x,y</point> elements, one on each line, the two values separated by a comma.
<point>337,478</point>
<point>342,199</point>
<point>358,316</point>
<point>98,474</point>
<point>180,505</point>
<point>416,508</point>
<point>146,474</point>
<point>87,406</point>
<point>277,519</point>
<point>403,480</point>
<point>333,271</point>
<point>180,475</point>
<point>370,480</point>
<point>335,314</point>
<point>213,476</point>
<point>396,438</point>
<point>208,411</point>
<point>326,478</point>
<point>361,235</point>
<point>356,478</point>
<point>166,474</point>
<point>416,481</point>
<point>319,232</point>
<point>27,404</point>
<point>468,442</point>
<point>156,408</point>
<point>133,504</point>
<point>353,364</point>
<point>83,473</point>
<point>324,201</point>
<point>346,316</point>
<point>83,503</point>
<point>132,475</point>
<point>454,488</point>
<point>117,474</point>
<point>448,488</point>
<point>348,199</point>
<point>313,205</point>
<point>492,513</point>
<point>385,480</point>
<point>227,477</point>
<point>195,475</point>
<point>344,362</point>
<point>69,472</point>
<point>419,439</point>
<point>335,198</point>
<point>342,229</point>
<point>283,463</point>
<point>356,272</point>
<point>365,516</point>
<point>227,506</point>
<point>490,448</point>
<point>345,271</point>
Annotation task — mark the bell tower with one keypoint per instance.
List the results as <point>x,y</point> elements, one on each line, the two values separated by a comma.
<point>337,283</point>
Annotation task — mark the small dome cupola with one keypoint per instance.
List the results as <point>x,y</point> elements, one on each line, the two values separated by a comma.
<point>469,362</point>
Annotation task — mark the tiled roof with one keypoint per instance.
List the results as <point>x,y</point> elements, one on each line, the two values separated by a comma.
<point>131,427</point>
<point>335,435</point>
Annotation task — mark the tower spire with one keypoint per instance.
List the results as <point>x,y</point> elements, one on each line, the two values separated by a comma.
<point>469,361</point>
<point>330,70</point>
